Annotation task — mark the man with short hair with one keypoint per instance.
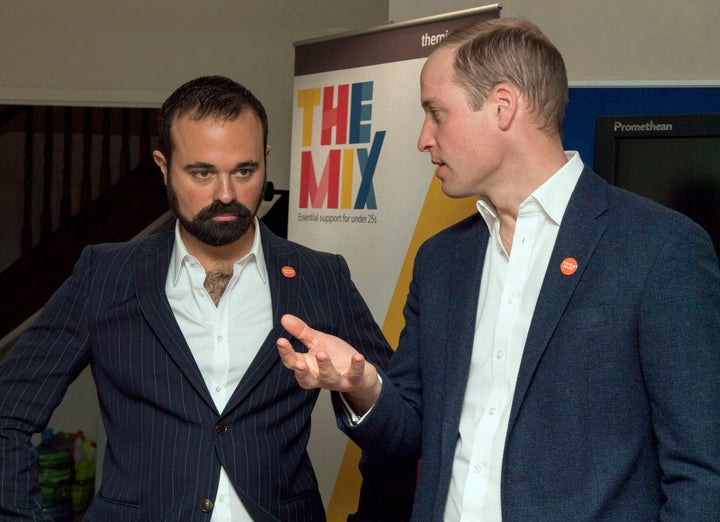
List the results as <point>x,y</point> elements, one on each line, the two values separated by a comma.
<point>203,422</point>
<point>561,349</point>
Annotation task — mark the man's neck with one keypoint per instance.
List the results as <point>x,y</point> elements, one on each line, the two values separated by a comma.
<point>520,179</point>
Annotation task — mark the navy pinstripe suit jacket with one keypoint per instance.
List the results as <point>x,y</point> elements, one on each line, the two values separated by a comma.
<point>166,440</point>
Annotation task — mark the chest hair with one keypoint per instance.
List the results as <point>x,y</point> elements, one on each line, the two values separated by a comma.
<point>216,282</point>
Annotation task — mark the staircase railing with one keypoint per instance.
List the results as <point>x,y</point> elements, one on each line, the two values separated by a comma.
<point>72,176</point>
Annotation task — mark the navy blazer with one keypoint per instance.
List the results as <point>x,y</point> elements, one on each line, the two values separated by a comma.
<point>166,441</point>
<point>616,412</point>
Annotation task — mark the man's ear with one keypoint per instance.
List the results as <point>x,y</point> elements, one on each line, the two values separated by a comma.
<point>506,98</point>
<point>161,162</point>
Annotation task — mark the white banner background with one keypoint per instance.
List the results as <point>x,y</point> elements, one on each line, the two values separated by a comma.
<point>378,241</point>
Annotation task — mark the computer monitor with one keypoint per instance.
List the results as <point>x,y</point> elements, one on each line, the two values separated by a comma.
<point>672,159</point>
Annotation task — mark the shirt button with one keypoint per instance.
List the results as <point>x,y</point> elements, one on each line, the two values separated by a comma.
<point>218,389</point>
<point>500,355</point>
<point>478,468</point>
<point>206,505</point>
<point>221,429</point>
<point>491,411</point>
<point>220,338</point>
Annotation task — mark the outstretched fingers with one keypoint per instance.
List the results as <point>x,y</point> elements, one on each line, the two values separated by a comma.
<point>330,363</point>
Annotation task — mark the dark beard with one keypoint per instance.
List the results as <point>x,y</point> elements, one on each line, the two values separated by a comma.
<point>214,233</point>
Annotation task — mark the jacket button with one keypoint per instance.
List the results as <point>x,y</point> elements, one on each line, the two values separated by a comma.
<point>221,428</point>
<point>206,505</point>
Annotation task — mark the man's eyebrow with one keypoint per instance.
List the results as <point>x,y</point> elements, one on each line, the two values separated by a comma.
<point>209,166</point>
<point>199,165</point>
<point>247,164</point>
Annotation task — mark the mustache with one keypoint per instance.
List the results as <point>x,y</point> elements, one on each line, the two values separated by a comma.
<point>218,208</point>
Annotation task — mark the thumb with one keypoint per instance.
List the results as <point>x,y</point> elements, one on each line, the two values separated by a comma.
<point>297,328</point>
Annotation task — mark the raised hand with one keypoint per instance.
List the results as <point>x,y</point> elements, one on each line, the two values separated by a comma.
<point>330,363</point>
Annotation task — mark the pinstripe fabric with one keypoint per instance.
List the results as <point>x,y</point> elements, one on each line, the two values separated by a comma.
<point>164,452</point>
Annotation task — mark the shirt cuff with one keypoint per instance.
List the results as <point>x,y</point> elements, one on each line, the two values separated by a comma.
<point>353,418</point>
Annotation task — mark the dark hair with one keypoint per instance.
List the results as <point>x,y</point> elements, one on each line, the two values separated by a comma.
<point>207,96</point>
<point>512,51</point>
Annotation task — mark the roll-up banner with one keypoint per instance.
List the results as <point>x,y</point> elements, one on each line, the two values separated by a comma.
<point>360,187</point>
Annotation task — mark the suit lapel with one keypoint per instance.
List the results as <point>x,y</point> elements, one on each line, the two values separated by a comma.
<point>284,297</point>
<point>463,288</point>
<point>151,263</point>
<point>577,238</point>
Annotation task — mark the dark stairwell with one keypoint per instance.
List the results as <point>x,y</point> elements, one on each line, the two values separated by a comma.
<point>71,176</point>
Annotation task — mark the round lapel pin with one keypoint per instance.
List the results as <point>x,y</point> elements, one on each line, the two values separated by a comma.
<point>568,266</point>
<point>288,272</point>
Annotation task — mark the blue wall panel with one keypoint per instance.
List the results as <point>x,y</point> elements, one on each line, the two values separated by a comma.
<point>588,103</point>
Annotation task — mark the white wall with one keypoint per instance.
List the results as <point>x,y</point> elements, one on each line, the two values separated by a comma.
<point>612,39</point>
<point>135,52</point>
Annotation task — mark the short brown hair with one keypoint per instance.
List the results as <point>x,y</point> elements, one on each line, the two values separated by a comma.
<point>512,51</point>
<point>207,96</point>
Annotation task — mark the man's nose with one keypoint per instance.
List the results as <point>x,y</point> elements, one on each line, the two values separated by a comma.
<point>224,189</point>
<point>425,140</point>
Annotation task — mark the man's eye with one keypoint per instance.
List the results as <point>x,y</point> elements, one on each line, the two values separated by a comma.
<point>202,174</point>
<point>244,173</point>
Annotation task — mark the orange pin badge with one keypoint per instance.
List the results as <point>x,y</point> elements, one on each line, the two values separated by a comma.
<point>568,266</point>
<point>288,272</point>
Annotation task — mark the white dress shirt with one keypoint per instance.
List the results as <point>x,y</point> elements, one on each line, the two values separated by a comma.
<point>508,293</point>
<point>224,339</point>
